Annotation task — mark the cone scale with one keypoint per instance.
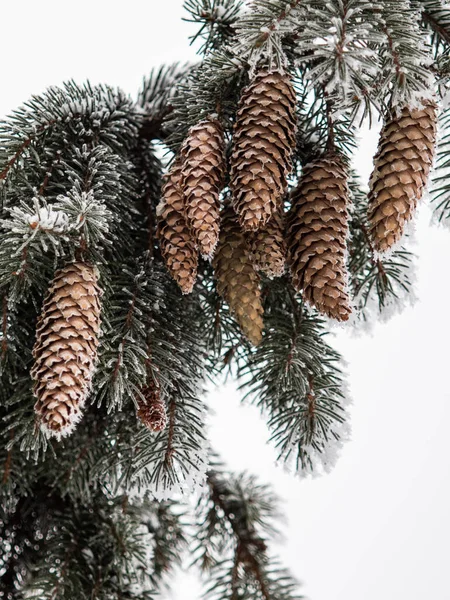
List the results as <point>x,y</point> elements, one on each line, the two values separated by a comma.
<point>263,141</point>
<point>177,244</point>
<point>65,350</point>
<point>401,169</point>
<point>237,281</point>
<point>316,236</point>
<point>152,409</point>
<point>203,167</point>
<point>268,247</point>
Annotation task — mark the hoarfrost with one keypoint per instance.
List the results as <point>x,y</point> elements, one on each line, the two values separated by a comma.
<point>182,482</point>
<point>368,311</point>
<point>323,455</point>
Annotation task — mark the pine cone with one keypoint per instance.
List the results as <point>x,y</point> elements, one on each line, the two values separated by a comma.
<point>268,247</point>
<point>203,170</point>
<point>178,248</point>
<point>65,350</point>
<point>152,411</point>
<point>237,280</point>
<point>316,236</point>
<point>264,138</point>
<point>401,168</point>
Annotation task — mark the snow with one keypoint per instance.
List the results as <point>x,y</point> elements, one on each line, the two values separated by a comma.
<point>48,219</point>
<point>220,11</point>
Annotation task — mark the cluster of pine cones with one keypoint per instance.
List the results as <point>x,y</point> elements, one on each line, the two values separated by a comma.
<point>246,237</point>
<point>250,235</point>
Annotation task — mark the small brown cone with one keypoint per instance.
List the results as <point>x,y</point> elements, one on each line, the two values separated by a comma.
<point>65,350</point>
<point>178,247</point>
<point>268,247</point>
<point>401,168</point>
<point>237,280</point>
<point>264,138</point>
<point>203,169</point>
<point>316,236</point>
<point>152,410</point>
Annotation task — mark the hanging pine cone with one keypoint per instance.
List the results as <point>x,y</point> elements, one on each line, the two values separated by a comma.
<point>316,236</point>
<point>203,170</point>
<point>152,410</point>
<point>178,247</point>
<point>264,138</point>
<point>268,247</point>
<point>66,347</point>
<point>237,280</point>
<point>401,168</point>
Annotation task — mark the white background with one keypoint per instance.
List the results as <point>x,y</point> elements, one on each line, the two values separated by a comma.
<point>378,526</point>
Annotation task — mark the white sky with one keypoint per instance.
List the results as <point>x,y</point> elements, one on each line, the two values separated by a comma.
<point>378,526</point>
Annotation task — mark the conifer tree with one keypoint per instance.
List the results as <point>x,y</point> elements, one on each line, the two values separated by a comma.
<point>211,223</point>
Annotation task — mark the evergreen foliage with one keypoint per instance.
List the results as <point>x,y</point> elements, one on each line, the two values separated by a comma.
<point>80,179</point>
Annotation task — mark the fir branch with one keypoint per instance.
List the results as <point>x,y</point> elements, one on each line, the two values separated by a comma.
<point>337,46</point>
<point>123,355</point>
<point>216,19</point>
<point>169,540</point>
<point>440,189</point>
<point>277,376</point>
<point>437,17</point>
<point>172,460</point>
<point>4,344</point>
<point>23,146</point>
<point>156,98</point>
<point>266,18</point>
<point>405,56</point>
<point>97,113</point>
<point>236,524</point>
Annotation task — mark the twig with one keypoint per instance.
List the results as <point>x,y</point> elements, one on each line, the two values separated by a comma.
<point>7,468</point>
<point>243,554</point>
<point>4,347</point>
<point>23,147</point>
<point>395,57</point>
<point>431,21</point>
<point>128,320</point>
<point>170,449</point>
<point>49,173</point>
<point>375,261</point>
<point>271,28</point>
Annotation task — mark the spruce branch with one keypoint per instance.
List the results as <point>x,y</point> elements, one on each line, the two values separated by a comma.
<point>236,521</point>
<point>216,20</point>
<point>156,96</point>
<point>263,27</point>
<point>337,47</point>
<point>405,56</point>
<point>440,189</point>
<point>23,146</point>
<point>124,353</point>
<point>278,378</point>
<point>436,16</point>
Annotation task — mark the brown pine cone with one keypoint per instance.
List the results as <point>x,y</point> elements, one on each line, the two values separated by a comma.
<point>203,168</point>
<point>268,247</point>
<point>152,410</point>
<point>178,247</point>
<point>66,345</point>
<point>316,236</point>
<point>264,138</point>
<point>401,168</point>
<point>237,280</point>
